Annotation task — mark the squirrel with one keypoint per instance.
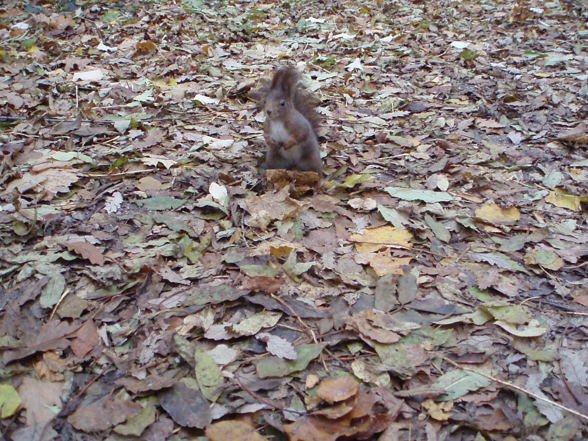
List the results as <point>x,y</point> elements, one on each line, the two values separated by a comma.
<point>291,123</point>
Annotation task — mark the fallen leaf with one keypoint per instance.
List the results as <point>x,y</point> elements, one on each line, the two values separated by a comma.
<point>86,339</point>
<point>90,75</point>
<point>563,200</point>
<point>102,414</point>
<point>87,251</point>
<point>278,346</point>
<point>186,405</point>
<point>337,389</point>
<point>10,401</point>
<point>233,430</point>
<point>136,424</point>
<point>438,411</point>
<point>410,194</point>
<point>384,236</point>
<point>495,214</point>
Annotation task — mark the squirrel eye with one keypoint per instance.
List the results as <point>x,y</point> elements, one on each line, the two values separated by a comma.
<point>283,103</point>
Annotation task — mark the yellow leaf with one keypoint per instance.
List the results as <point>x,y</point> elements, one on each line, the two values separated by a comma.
<point>353,180</point>
<point>438,411</point>
<point>545,259</point>
<point>366,248</point>
<point>10,400</point>
<point>563,200</point>
<point>383,265</point>
<point>159,83</point>
<point>233,430</point>
<point>497,215</point>
<point>386,235</point>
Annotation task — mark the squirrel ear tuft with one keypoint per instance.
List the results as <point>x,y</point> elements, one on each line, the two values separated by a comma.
<point>286,78</point>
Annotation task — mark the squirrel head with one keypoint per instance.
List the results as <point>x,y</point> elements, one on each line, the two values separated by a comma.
<point>281,94</point>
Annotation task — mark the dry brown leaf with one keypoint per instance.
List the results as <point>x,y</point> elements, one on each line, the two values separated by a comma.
<point>383,264</point>
<point>38,398</point>
<point>145,47</point>
<point>269,207</point>
<point>577,135</point>
<point>87,251</point>
<point>338,389</point>
<point>262,283</point>
<point>233,430</point>
<point>86,339</point>
<point>103,414</point>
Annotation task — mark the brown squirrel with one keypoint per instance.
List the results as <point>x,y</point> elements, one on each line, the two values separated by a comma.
<point>291,123</point>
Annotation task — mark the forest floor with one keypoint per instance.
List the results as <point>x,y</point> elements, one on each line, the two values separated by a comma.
<point>155,285</point>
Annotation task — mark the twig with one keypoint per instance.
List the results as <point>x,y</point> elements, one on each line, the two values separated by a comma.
<point>265,400</point>
<point>304,325</point>
<point>111,175</point>
<point>512,386</point>
<point>63,295</point>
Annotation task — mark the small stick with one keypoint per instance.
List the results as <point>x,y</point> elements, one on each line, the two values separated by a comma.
<point>512,386</point>
<point>265,400</point>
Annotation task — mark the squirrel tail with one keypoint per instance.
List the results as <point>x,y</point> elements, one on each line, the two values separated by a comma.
<point>288,79</point>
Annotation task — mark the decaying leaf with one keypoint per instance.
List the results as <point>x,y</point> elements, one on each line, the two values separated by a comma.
<point>497,215</point>
<point>337,389</point>
<point>157,283</point>
<point>234,430</point>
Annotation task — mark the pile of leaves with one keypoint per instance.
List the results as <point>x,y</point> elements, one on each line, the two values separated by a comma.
<point>154,285</point>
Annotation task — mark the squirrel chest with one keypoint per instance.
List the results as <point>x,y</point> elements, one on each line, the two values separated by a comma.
<point>278,132</point>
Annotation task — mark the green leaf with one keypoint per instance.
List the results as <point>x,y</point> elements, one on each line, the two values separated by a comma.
<point>161,203</point>
<point>565,429</point>
<point>353,180</point>
<point>396,358</point>
<point>498,259</point>
<point>137,424</point>
<point>211,204</point>
<point>393,216</point>
<point>468,54</point>
<point>294,268</point>
<point>439,230</point>
<point>208,375</point>
<point>514,314</point>
<point>277,367</point>
<point>213,294</point>
<point>118,163</point>
<point>409,194</point>
<point>552,61</point>
<point>553,179</point>
<point>533,418</point>
<point>9,400</point>
<point>532,329</point>
<point>53,290</point>
<point>122,125</point>
<point>259,270</point>
<point>457,383</point>
<point>68,156</point>
<point>255,323</point>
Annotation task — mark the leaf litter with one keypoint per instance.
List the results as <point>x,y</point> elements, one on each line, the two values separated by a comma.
<point>432,286</point>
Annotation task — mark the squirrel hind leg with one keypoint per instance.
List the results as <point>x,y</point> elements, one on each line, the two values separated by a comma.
<point>274,160</point>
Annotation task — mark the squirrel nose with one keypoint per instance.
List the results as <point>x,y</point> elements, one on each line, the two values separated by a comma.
<point>269,112</point>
